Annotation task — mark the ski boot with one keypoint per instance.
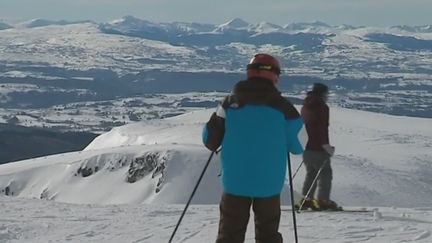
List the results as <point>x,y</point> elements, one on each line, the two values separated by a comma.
<point>327,205</point>
<point>309,203</point>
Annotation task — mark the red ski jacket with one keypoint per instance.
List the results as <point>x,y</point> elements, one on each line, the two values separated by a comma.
<point>315,113</point>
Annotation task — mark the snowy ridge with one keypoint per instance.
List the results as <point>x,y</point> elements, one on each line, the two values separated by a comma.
<point>414,29</point>
<point>380,161</point>
<point>151,165</point>
<point>45,22</point>
<point>234,24</point>
<point>130,23</point>
<point>166,131</point>
<point>136,174</point>
<point>266,27</point>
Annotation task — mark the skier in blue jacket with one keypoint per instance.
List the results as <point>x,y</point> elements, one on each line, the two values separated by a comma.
<point>255,128</point>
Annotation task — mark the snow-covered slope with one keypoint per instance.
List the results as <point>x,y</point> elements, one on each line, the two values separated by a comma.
<point>84,47</point>
<point>381,160</point>
<point>149,163</point>
<point>30,221</point>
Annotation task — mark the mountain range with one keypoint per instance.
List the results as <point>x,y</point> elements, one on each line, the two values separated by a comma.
<point>59,62</point>
<point>307,48</point>
<point>131,22</point>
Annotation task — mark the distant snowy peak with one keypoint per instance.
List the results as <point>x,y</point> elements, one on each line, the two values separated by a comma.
<point>266,27</point>
<point>132,22</point>
<point>132,25</point>
<point>45,22</point>
<point>4,26</point>
<point>234,24</point>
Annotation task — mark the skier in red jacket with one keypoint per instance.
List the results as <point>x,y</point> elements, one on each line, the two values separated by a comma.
<point>318,152</point>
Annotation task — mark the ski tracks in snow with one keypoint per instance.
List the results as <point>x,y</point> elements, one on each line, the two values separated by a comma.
<point>368,183</point>
<point>382,225</point>
<point>31,220</point>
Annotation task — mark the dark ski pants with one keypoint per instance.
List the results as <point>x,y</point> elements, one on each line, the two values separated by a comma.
<point>313,161</point>
<point>234,217</point>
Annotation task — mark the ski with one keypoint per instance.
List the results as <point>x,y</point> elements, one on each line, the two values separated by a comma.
<point>338,211</point>
<point>341,210</point>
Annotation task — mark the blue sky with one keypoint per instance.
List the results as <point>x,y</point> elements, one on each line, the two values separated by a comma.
<point>355,12</point>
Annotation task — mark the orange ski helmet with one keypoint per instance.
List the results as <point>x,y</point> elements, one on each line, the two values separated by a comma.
<point>264,66</point>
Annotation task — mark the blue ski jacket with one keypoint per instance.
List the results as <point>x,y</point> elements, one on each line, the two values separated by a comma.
<point>255,128</point>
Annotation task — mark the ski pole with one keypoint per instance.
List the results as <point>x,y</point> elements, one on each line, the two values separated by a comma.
<point>312,185</point>
<point>292,200</point>
<point>298,168</point>
<point>295,173</point>
<point>191,196</point>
